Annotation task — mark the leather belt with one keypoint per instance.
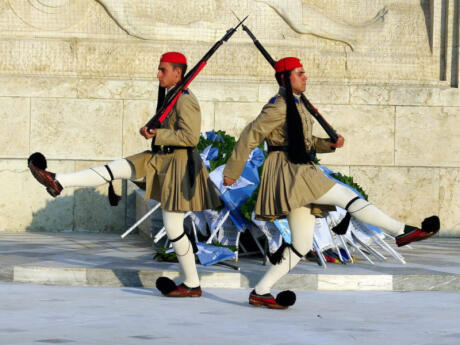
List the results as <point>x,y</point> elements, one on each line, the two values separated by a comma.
<point>164,149</point>
<point>167,149</point>
<point>311,153</point>
<point>277,148</point>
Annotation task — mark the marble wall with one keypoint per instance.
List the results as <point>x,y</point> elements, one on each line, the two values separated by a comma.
<point>77,80</point>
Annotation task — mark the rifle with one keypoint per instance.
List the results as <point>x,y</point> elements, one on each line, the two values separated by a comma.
<point>173,95</point>
<point>311,109</point>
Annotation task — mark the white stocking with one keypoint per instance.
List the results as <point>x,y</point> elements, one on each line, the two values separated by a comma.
<point>361,209</point>
<point>93,177</point>
<point>302,225</point>
<point>174,224</point>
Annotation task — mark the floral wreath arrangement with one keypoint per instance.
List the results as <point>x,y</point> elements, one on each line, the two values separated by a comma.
<point>223,145</point>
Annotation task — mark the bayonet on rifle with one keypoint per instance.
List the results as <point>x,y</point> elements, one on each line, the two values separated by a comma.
<point>311,109</point>
<point>173,95</point>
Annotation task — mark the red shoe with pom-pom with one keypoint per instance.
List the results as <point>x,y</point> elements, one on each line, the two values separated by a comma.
<point>430,226</point>
<point>282,301</point>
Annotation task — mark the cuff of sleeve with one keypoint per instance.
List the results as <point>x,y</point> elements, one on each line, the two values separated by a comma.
<point>324,146</point>
<point>159,138</point>
<point>231,173</point>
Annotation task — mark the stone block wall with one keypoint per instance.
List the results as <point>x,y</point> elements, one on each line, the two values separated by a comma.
<point>76,83</point>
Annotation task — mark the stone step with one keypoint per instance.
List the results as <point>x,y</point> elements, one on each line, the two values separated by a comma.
<point>78,259</point>
<point>74,276</point>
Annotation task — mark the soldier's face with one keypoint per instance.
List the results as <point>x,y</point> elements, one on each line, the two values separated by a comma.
<point>298,80</point>
<point>167,75</point>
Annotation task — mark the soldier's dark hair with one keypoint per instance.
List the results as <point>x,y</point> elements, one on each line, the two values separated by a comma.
<point>183,67</point>
<point>279,79</point>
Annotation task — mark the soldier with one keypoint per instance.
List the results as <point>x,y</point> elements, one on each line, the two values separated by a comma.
<point>175,175</point>
<point>291,183</point>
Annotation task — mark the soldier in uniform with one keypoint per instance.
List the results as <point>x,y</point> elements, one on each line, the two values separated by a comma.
<point>174,173</point>
<point>291,183</point>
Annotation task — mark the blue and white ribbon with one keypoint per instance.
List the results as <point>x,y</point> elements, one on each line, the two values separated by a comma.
<point>209,254</point>
<point>209,154</point>
<point>235,195</point>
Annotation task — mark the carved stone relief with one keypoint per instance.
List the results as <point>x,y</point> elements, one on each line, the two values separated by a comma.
<point>202,19</point>
<point>318,31</point>
<point>305,19</point>
<point>50,14</point>
<point>141,19</point>
<point>147,12</point>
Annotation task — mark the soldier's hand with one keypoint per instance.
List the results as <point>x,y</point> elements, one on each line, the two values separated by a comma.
<point>228,181</point>
<point>146,133</point>
<point>340,142</point>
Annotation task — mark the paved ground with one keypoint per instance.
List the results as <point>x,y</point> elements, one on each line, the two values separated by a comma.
<point>106,260</point>
<point>34,314</point>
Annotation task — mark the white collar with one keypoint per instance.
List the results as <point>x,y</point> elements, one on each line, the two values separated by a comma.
<point>283,92</point>
<point>169,89</point>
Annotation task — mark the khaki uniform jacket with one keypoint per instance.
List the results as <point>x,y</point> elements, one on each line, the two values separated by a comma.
<point>284,186</point>
<point>167,178</point>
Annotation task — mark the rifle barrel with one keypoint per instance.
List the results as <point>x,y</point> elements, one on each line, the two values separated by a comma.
<point>174,94</point>
<point>259,46</point>
<point>312,110</point>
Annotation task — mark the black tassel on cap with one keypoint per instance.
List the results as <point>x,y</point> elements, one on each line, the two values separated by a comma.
<point>297,151</point>
<point>161,97</point>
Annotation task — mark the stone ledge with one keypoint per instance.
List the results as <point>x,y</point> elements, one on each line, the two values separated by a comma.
<point>73,276</point>
<point>92,259</point>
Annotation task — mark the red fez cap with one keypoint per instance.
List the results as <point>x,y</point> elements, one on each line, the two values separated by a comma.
<point>286,64</point>
<point>174,57</point>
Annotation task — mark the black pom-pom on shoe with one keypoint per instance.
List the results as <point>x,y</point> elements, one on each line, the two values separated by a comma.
<point>37,165</point>
<point>286,298</point>
<point>165,285</point>
<point>38,159</point>
<point>431,224</point>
